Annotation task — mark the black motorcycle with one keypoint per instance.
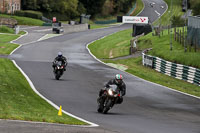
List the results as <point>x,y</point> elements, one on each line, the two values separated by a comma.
<point>58,69</point>
<point>108,99</point>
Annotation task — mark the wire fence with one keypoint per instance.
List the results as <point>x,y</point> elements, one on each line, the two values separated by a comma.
<point>193,30</point>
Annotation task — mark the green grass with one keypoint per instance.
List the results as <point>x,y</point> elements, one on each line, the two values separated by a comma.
<point>115,45</point>
<point>102,48</point>
<point>18,101</point>
<point>24,20</point>
<point>176,10</point>
<point>6,47</point>
<point>5,29</point>
<point>97,26</point>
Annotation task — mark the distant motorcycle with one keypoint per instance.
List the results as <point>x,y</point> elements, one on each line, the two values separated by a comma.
<point>108,99</point>
<point>58,70</point>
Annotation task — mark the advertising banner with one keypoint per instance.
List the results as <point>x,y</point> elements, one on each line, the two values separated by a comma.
<point>135,20</point>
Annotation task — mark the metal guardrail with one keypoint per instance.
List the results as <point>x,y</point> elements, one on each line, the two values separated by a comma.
<point>179,71</point>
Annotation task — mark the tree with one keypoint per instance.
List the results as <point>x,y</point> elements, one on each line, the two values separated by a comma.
<point>196,8</point>
<point>93,7</point>
<point>29,4</point>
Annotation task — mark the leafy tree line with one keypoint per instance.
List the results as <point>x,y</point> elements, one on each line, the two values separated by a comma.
<point>69,9</point>
<point>195,6</point>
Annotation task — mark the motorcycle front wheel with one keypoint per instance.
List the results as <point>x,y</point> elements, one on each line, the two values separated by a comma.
<point>107,106</point>
<point>57,76</point>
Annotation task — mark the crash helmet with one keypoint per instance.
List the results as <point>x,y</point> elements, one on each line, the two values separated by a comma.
<point>59,54</point>
<point>118,78</point>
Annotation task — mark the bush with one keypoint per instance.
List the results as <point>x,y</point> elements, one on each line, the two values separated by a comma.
<point>177,21</point>
<point>29,13</point>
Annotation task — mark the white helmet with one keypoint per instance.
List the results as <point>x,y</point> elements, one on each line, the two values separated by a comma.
<point>59,54</point>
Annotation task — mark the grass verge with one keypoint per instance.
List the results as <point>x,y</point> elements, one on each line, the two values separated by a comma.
<point>17,99</point>
<point>5,29</point>
<point>114,45</point>
<point>5,46</point>
<point>139,7</point>
<point>135,66</point>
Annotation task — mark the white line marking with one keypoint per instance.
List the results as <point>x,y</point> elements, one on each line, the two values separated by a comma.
<point>29,27</point>
<point>43,30</point>
<point>51,103</point>
<point>157,12</point>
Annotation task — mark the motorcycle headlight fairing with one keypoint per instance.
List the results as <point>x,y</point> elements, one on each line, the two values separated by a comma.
<point>110,92</point>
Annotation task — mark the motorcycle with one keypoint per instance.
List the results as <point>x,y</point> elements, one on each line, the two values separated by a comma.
<point>58,70</point>
<point>108,99</point>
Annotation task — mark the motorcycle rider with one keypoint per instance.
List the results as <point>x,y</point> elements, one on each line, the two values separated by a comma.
<point>60,57</point>
<point>118,80</point>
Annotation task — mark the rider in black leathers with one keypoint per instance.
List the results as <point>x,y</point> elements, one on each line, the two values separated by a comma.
<point>60,57</point>
<point>120,84</point>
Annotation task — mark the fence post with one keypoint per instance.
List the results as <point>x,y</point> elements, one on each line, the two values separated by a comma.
<point>168,29</point>
<point>175,33</point>
<point>131,47</point>
<point>185,46</point>
<point>183,37</point>
<point>195,45</point>
<point>180,36</point>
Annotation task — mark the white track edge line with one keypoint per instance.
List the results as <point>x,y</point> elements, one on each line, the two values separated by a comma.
<point>51,103</point>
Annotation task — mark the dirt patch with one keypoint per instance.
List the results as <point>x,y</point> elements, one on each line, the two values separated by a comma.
<point>123,66</point>
<point>110,54</point>
<point>2,47</point>
<point>121,43</point>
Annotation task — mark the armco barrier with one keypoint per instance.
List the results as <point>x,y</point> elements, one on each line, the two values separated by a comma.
<point>186,73</point>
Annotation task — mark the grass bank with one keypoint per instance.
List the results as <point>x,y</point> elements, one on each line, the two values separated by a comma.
<point>24,20</point>
<point>17,99</point>
<point>176,11</point>
<point>102,49</point>
<point>114,45</point>
<point>161,48</point>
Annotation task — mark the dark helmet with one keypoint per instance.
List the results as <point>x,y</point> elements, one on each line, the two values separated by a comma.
<point>118,78</point>
<point>59,54</point>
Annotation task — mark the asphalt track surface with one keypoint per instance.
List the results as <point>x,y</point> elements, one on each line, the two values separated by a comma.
<point>147,107</point>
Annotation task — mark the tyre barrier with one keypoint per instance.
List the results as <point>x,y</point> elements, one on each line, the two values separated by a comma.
<point>179,71</point>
